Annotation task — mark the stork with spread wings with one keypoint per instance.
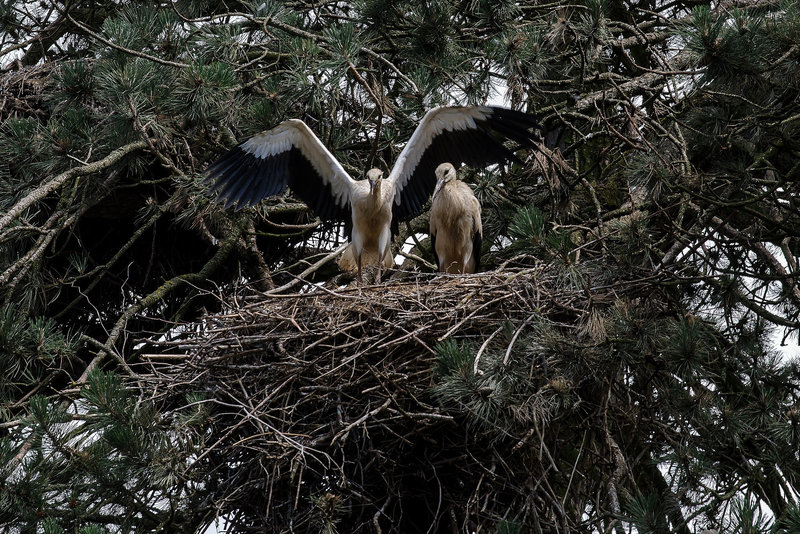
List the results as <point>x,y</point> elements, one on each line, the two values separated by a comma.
<point>291,155</point>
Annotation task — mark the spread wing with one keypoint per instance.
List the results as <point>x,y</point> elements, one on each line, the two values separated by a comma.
<point>462,134</point>
<point>289,154</point>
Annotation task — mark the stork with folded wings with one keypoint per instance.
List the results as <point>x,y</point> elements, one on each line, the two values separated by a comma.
<point>455,223</point>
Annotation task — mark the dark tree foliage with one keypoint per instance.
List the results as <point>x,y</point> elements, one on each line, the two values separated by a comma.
<point>661,203</point>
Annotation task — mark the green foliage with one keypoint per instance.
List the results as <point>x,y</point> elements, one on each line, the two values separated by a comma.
<point>103,390</point>
<point>343,44</point>
<point>381,13</point>
<point>533,235</point>
<point>30,348</point>
<point>630,241</point>
<point>591,27</point>
<point>506,526</point>
<point>499,12</point>
<point>528,225</point>
<point>45,414</point>
<point>203,94</point>
<point>11,330</point>
<point>790,522</point>
<point>434,34</point>
<point>646,513</point>
<point>260,112</point>
<point>496,393</point>
<point>75,83</point>
<point>139,27</point>
<point>51,526</point>
<point>748,518</point>
<point>453,358</point>
<point>727,49</point>
<point>24,148</point>
<point>218,42</point>
<point>133,89</point>
<point>688,345</point>
<point>522,55</point>
<point>89,462</point>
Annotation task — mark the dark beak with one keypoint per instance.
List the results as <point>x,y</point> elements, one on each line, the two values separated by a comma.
<point>372,184</point>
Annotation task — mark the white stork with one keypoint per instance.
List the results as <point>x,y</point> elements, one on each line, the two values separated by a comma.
<point>455,223</point>
<point>290,154</point>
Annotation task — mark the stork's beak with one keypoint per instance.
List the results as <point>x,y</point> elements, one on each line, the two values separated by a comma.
<point>439,184</point>
<point>372,184</point>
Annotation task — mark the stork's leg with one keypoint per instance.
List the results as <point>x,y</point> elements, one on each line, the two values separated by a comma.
<point>384,245</point>
<point>466,258</point>
<point>380,265</point>
<point>358,262</point>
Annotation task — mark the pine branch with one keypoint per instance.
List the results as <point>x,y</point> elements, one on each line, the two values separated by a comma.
<point>156,296</point>
<point>128,51</point>
<point>23,264</point>
<point>48,187</point>
<point>96,274</point>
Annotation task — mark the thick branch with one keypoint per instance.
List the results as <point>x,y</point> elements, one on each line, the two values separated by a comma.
<point>48,187</point>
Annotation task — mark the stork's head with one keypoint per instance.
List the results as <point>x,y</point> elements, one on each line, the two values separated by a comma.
<point>444,173</point>
<point>374,176</point>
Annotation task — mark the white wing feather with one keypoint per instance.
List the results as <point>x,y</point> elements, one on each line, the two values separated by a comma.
<point>295,133</point>
<point>432,124</point>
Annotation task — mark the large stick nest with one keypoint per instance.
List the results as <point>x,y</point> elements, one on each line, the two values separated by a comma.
<point>22,91</point>
<point>326,412</point>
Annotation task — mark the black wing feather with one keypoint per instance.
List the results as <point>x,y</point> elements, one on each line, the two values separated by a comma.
<point>241,192</point>
<point>222,165</point>
<point>477,242</point>
<point>433,249</point>
<point>239,178</point>
<point>474,147</point>
<point>238,182</point>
